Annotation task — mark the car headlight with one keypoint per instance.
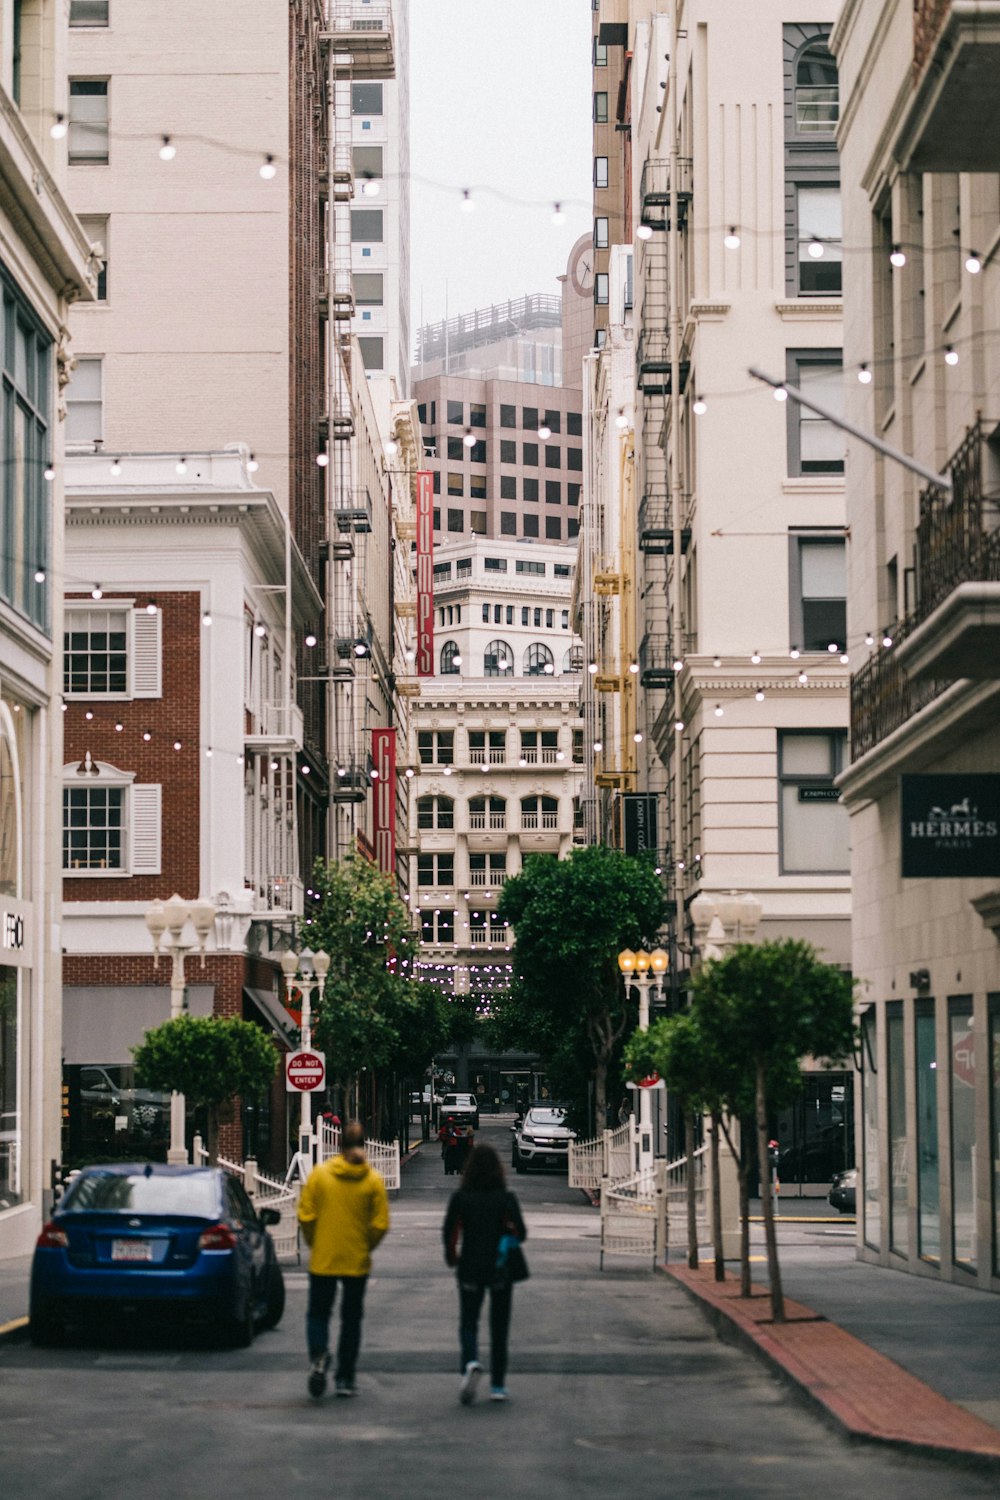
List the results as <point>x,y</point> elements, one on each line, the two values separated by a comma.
<point>528,1140</point>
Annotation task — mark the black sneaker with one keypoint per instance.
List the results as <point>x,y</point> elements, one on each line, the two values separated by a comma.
<point>344,1387</point>
<point>317,1376</point>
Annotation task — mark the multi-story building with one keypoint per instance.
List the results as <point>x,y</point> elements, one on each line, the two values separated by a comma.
<point>743,646</point>
<point>185,598</point>
<point>611,59</point>
<point>503,436</point>
<point>45,265</point>
<point>495,756</point>
<point>919,148</point>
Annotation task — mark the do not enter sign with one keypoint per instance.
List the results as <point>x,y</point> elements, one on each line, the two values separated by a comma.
<point>305,1071</point>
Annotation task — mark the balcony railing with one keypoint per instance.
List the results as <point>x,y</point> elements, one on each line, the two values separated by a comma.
<point>958,535</point>
<point>477,757</point>
<point>549,757</point>
<point>532,820</point>
<point>284,893</point>
<point>656,193</point>
<point>656,662</point>
<point>498,822</point>
<point>883,696</point>
<point>656,529</point>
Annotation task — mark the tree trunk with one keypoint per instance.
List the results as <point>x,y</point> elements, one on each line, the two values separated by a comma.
<point>213,1134</point>
<point>746,1286</point>
<point>601,1092</point>
<point>692,1216</point>
<point>720,1259</point>
<point>767,1202</point>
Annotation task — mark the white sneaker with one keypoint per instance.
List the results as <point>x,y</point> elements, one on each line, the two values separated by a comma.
<point>470,1380</point>
<point>498,1393</point>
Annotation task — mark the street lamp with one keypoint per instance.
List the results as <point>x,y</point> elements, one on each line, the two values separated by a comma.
<point>307,971</point>
<point>643,969</point>
<point>166,922</point>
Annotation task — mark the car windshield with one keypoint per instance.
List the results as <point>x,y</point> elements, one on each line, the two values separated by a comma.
<point>194,1195</point>
<point>547,1116</point>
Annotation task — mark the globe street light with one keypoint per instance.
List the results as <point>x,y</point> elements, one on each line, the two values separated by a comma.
<point>643,969</point>
<point>306,971</point>
<point>166,922</point>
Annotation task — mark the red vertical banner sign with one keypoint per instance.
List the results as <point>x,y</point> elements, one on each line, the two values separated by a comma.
<point>384,799</point>
<point>425,573</point>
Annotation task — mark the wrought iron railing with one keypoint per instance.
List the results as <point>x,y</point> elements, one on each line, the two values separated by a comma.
<point>883,696</point>
<point>958,535</point>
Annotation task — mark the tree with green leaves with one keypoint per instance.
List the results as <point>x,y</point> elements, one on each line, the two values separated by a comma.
<point>761,1009</point>
<point>208,1059</point>
<point>571,918</point>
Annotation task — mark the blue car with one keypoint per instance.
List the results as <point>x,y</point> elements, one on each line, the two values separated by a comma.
<point>183,1242</point>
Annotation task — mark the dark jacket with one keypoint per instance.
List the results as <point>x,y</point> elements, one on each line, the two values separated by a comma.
<point>472,1229</point>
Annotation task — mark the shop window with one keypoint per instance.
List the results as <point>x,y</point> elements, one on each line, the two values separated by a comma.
<point>962,1051</point>
<point>870,1185</point>
<point>928,1194</point>
<point>813,824</point>
<point>899,1163</point>
<point>111,826</point>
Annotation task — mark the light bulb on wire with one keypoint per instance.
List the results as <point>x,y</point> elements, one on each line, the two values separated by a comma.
<point>252,465</point>
<point>59,127</point>
<point>699,406</point>
<point>644,232</point>
<point>322,459</point>
<point>897,257</point>
<point>116,467</point>
<point>168,150</point>
<point>268,168</point>
<point>558,217</point>
<point>732,239</point>
<point>816,248</point>
<point>467,205</point>
<point>469,438</point>
<point>973,263</point>
<point>180,467</point>
<point>951,355</point>
<point>780,394</point>
<point>865,375</point>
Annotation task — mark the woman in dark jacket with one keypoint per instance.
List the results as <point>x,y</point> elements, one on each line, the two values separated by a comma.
<point>479,1214</point>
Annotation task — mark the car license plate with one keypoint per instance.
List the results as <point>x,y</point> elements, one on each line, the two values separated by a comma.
<point>133,1250</point>
<point>553,1161</point>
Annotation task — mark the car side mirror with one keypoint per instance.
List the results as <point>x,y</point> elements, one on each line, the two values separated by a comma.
<point>269,1217</point>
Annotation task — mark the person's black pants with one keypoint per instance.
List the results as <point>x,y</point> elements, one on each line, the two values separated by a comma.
<point>322,1296</point>
<point>470,1302</point>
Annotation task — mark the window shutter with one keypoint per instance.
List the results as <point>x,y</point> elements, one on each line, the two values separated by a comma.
<point>147,654</point>
<point>146,804</point>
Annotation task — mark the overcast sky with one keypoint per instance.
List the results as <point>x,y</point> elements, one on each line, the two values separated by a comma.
<point>499,99</point>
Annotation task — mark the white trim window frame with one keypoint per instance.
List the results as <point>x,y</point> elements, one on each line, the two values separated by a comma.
<point>112,663</point>
<point>112,827</point>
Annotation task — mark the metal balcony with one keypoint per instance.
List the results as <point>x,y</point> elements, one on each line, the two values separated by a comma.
<point>656,531</point>
<point>361,39</point>
<point>656,662</point>
<point>284,893</point>
<point>657,195</point>
<point>279,730</point>
<point>884,696</point>
<point>350,783</point>
<point>653,364</point>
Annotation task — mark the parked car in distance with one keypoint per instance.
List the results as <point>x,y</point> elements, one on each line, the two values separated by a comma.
<point>843,1194</point>
<point>424,1099</point>
<point>463,1107</point>
<point>541,1138</point>
<point>181,1241</point>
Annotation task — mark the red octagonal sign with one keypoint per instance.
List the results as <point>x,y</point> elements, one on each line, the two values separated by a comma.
<point>305,1071</point>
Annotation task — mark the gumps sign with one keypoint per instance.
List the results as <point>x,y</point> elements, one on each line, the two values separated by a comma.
<point>950,826</point>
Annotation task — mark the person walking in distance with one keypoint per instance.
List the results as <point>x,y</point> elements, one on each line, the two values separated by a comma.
<point>480,1214</point>
<point>344,1214</point>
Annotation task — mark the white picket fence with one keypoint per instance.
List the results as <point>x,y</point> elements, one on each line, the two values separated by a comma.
<point>676,1193</point>
<point>608,1156</point>
<point>264,1192</point>
<point>382,1155</point>
<point>645,1214</point>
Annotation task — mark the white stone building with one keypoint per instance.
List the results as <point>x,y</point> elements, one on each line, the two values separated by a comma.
<point>44,266</point>
<point>920,147</point>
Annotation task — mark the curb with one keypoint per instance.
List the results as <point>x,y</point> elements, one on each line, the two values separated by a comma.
<point>14,1332</point>
<point>845,1380</point>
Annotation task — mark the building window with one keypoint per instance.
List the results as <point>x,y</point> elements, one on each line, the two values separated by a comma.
<point>456,520</point>
<point>529,491</point>
<point>477,522</point>
<point>550,619</point>
<point>436,870</point>
<point>962,1051</point>
<point>928,1197</point>
<point>111,826</point>
<point>367,163</point>
<point>574,424</point>
<point>818,593</point>
<point>436,747</point>
<point>529,418</point>
<point>438,927</point>
<point>509,612</point>
<point>899,1146</point>
<point>553,457</point>
<point>96,231</point>
<point>88,12</point>
<point>477,486</point>
<point>508,523</point>
<point>456,484</point>
<point>600,53</point>
<point>463,567</point>
<point>456,413</point>
<point>538,661</point>
<point>456,449</point>
<point>553,528</point>
<point>813,824</point>
<point>442,571</point>
<point>564,619</point>
<point>369,291</point>
<point>112,653</point>
<point>498,660</point>
<point>553,421</point>
<point>372,352</point>
<point>25,507</point>
<point>366,98</point>
<point>528,565</point>
<point>600,171</point>
<point>530,453</point>
<point>553,492</point>
<point>366,226</point>
<point>574,459</point>
<point>601,233</point>
<point>817,92</point>
<point>525,615</point>
<point>497,613</point>
<point>538,619</point>
<point>477,414</point>
<point>435,812</point>
<point>88,121</point>
<point>818,228</point>
<point>539,812</point>
<point>529,524</point>
<point>572,528</point>
<point>508,487</point>
<point>562,570</point>
<point>486,614</point>
<point>601,289</point>
<point>495,564</point>
<point>600,108</point>
<point>508,418</point>
<point>487,869</point>
<point>488,813</point>
<point>815,445</point>
<point>84,403</point>
<point>451,659</point>
<point>508,451</point>
<point>477,453</point>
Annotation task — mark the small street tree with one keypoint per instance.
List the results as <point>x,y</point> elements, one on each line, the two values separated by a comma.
<point>208,1059</point>
<point>571,918</point>
<point>761,1009</point>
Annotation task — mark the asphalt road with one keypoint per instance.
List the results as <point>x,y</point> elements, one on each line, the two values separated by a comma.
<point>617,1387</point>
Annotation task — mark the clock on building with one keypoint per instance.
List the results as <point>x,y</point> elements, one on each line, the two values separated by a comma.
<point>581,270</point>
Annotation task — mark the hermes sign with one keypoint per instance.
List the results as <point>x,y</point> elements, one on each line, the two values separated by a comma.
<point>950,826</point>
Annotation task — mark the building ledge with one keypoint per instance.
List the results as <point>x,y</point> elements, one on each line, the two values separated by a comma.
<point>811,307</point>
<point>953,121</point>
<point>961,638</point>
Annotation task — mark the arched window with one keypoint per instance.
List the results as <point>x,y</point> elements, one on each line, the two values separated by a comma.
<point>573,660</point>
<point>538,660</point>
<point>435,812</point>
<point>451,659</point>
<point>539,812</point>
<point>487,812</point>
<point>817,91</point>
<point>498,660</point>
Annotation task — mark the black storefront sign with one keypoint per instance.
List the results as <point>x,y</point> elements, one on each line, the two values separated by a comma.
<point>819,794</point>
<point>640,823</point>
<point>950,826</point>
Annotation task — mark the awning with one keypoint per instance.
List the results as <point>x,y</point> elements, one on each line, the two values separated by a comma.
<point>274,1013</point>
<point>101,1023</point>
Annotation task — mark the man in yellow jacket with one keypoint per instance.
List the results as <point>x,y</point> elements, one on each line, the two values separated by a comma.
<point>344,1213</point>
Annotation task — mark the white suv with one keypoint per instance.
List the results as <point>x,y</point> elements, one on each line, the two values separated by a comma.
<point>541,1139</point>
<point>464,1107</point>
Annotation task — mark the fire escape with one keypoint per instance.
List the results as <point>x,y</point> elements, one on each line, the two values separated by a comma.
<point>360,47</point>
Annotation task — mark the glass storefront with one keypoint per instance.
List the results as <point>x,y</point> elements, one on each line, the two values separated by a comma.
<point>899,1174</point>
<point>963,1131</point>
<point>928,1195</point>
<point>994,1066</point>
<point>10,1109</point>
<point>109,1119</point>
<point>871,1205</point>
<point>816,1135</point>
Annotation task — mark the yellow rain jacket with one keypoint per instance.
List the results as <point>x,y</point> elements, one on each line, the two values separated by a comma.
<point>344,1213</point>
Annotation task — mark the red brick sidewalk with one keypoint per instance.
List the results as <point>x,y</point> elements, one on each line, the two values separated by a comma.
<point>868,1395</point>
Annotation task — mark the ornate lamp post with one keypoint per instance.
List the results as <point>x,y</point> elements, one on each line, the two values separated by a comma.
<point>166,922</point>
<point>307,971</point>
<point>643,969</point>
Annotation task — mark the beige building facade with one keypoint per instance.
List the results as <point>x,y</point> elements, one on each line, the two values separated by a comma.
<point>922,220</point>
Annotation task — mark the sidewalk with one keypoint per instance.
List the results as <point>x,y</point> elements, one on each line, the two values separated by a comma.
<point>888,1357</point>
<point>15,1275</point>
